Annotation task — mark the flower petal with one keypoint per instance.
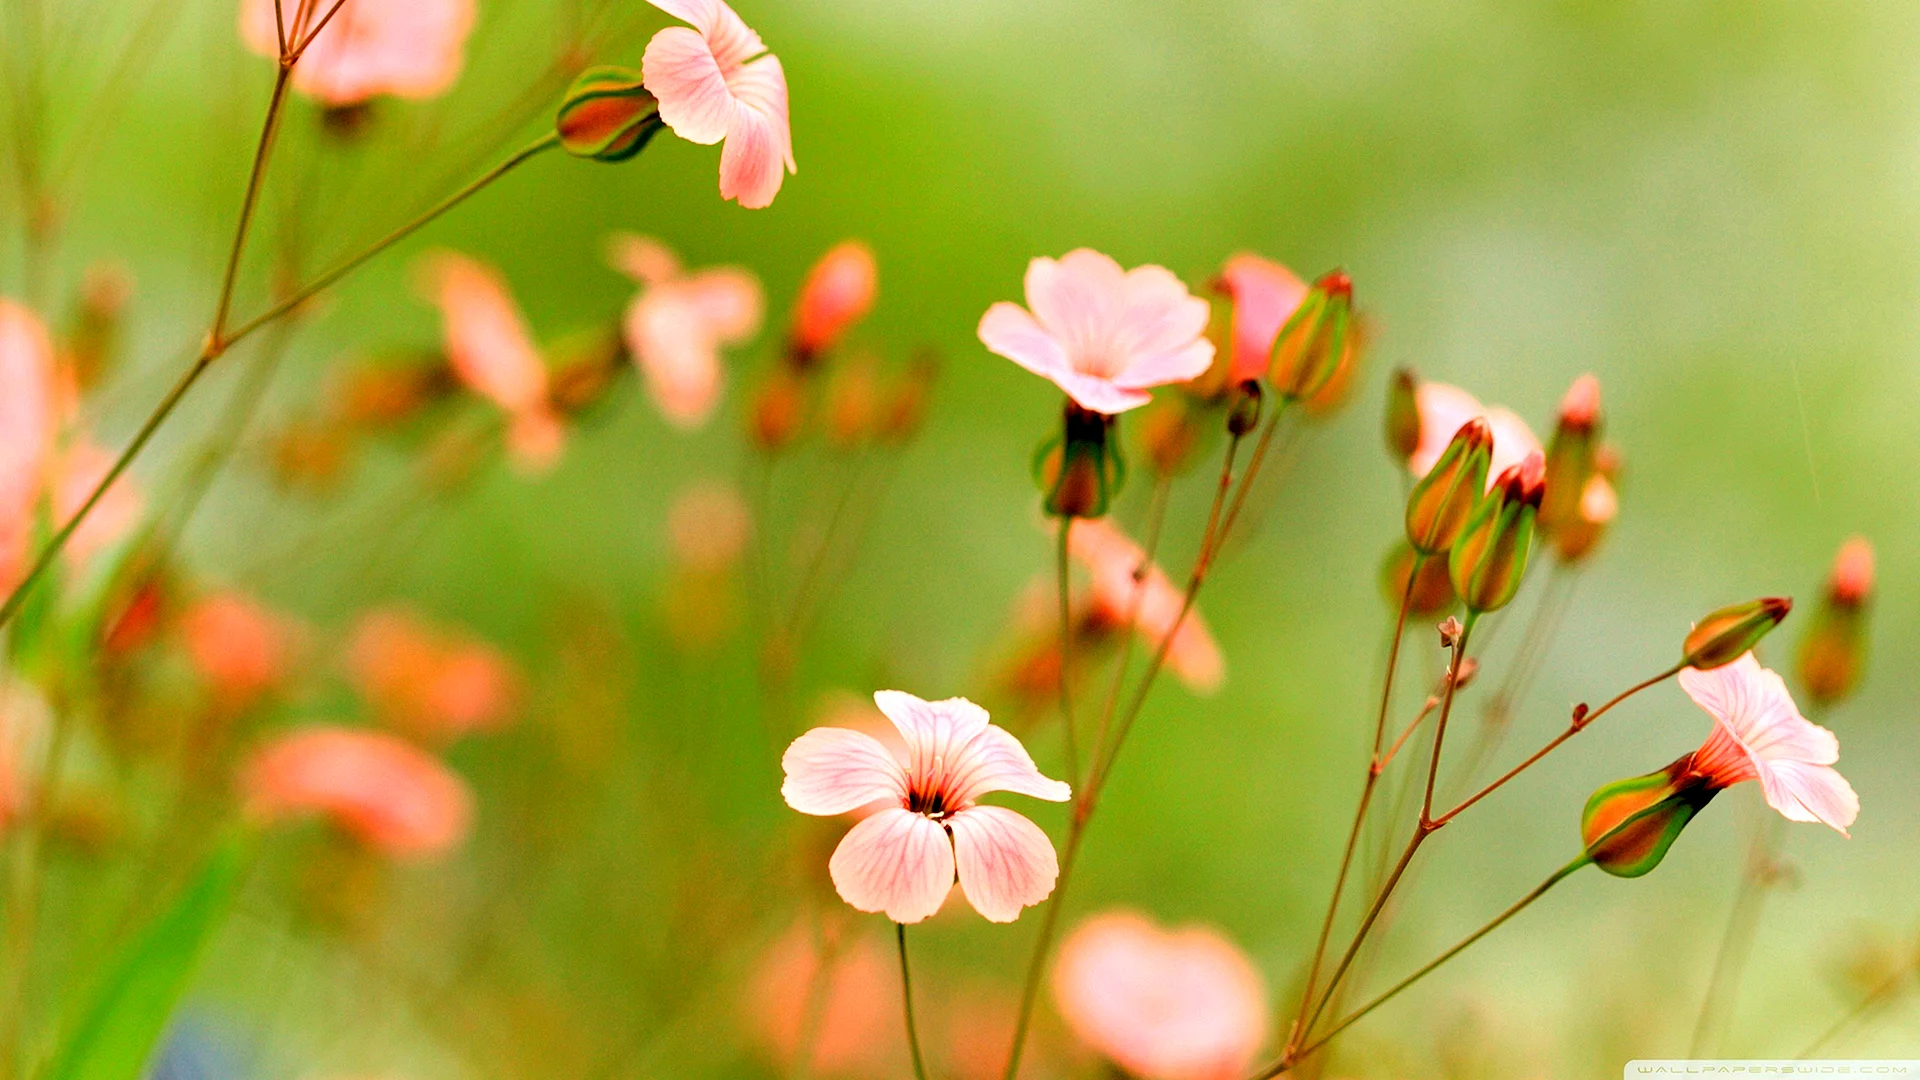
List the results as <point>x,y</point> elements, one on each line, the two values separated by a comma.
<point>897,862</point>
<point>675,349</point>
<point>487,342</point>
<point>1008,330</point>
<point>933,730</point>
<point>1158,369</point>
<point>679,69</point>
<point>1806,792</point>
<point>1006,862</point>
<point>995,761</point>
<point>1157,314</point>
<point>1265,295</point>
<point>1100,395</point>
<point>834,771</point>
<point>729,301</point>
<point>759,141</point>
<point>1078,300</point>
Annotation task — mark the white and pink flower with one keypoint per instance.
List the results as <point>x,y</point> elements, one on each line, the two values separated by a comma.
<point>369,48</point>
<point>1759,734</point>
<point>677,325</point>
<point>716,81</point>
<point>1265,295</point>
<point>1444,409</point>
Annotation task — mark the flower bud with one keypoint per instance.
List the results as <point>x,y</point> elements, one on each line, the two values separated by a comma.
<point>1726,635</point>
<point>1334,392</point>
<point>1403,415</point>
<point>1432,590</point>
<point>1599,504</point>
<point>1243,414</point>
<point>837,293</point>
<point>851,410</point>
<point>1313,343</point>
<point>1490,558</point>
<point>906,405</point>
<point>1628,825</point>
<point>1080,472</point>
<point>1833,650</point>
<point>607,115</point>
<point>93,333</point>
<point>1570,454</point>
<point>779,408</point>
<point>1438,507</point>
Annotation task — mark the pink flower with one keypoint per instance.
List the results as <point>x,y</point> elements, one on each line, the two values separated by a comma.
<point>1163,1005</point>
<point>406,48</point>
<point>384,791</point>
<point>491,352</point>
<point>1759,734</point>
<point>678,323</point>
<point>81,469</point>
<point>29,420</point>
<point>240,648</point>
<point>1265,295</point>
<point>837,294</point>
<point>432,684</point>
<point>1443,409</point>
<point>903,859</point>
<point>1102,334</point>
<point>1111,558</point>
<point>711,87</point>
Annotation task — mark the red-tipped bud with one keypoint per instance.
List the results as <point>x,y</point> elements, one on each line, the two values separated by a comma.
<point>1833,651</point>
<point>837,293</point>
<point>1729,633</point>
<point>1432,592</point>
<point>1628,825</point>
<point>607,115</point>
<point>1581,405</point>
<point>1440,502</point>
<point>1488,561</point>
<point>1313,343</point>
<point>1402,422</point>
<point>1334,392</point>
<point>1080,471</point>
<point>1570,456</point>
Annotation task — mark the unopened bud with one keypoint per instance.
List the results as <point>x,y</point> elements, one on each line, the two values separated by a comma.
<point>1570,454</point>
<point>1313,343</point>
<point>1628,825</point>
<point>1438,507</point>
<point>1490,558</point>
<point>837,293</point>
<point>852,406</point>
<point>585,367</point>
<point>1335,391</point>
<point>1729,633</point>
<point>1852,578</point>
<point>1169,431</point>
<point>1833,649</point>
<point>779,407</point>
<point>1432,591</point>
<point>1599,504</point>
<point>1468,669</point>
<point>607,115</point>
<point>387,393</point>
<point>906,406</point>
<point>1080,471</point>
<point>1243,415</point>
<point>1403,414</point>
<point>1450,630</point>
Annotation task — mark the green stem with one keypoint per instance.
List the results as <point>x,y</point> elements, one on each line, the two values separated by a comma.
<point>906,994</point>
<point>256,176</point>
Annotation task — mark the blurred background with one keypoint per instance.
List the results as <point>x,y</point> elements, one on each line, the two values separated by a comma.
<point>1709,206</point>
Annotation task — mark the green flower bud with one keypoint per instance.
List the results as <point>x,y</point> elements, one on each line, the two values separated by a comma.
<point>1628,825</point>
<point>1731,632</point>
<point>1403,414</point>
<point>607,115</point>
<point>1438,507</point>
<point>1080,471</point>
<point>1313,343</point>
<point>1490,557</point>
<point>1570,456</point>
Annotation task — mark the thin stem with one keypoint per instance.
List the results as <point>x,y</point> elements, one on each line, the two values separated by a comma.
<point>906,994</point>
<point>256,176</point>
<point>1878,996</point>
<point>1064,567</point>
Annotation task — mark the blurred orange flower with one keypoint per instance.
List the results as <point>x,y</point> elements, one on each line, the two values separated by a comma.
<point>380,789</point>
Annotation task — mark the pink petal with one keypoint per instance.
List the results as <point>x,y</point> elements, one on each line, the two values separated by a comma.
<point>1159,369</point>
<point>995,761</point>
<point>1807,792</point>
<point>642,258</point>
<point>759,141</point>
<point>1005,862</point>
<point>1100,395</point>
<point>28,420</point>
<point>679,69</point>
<point>729,300</point>
<point>1153,602</point>
<point>932,729</point>
<point>1078,299</point>
<point>835,771</point>
<point>382,789</point>
<point>731,39</point>
<point>1008,330</point>
<point>81,469</point>
<point>1443,409</point>
<point>1157,315</point>
<point>487,342</point>
<point>675,348</point>
<point>897,862</point>
<point>1265,295</point>
<point>405,48</point>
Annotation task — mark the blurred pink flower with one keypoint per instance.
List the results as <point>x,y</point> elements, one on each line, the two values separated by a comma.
<point>491,352</point>
<point>678,323</point>
<point>847,988</point>
<point>1444,408</point>
<point>709,525</point>
<point>837,293</point>
<point>406,48</point>
<point>29,420</point>
<point>1758,733</point>
<point>903,860</point>
<point>1100,333</point>
<point>81,468</point>
<point>1111,559</point>
<point>1852,578</point>
<point>383,790</point>
<point>431,684</point>
<point>240,648</point>
<point>1265,295</point>
<point>712,87</point>
<point>1163,1005</point>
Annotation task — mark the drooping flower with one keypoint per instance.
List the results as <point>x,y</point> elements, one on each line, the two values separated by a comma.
<point>240,648</point>
<point>369,48</point>
<point>490,350</point>
<point>903,859</point>
<point>717,81</point>
<point>1102,334</point>
<point>431,683</point>
<point>678,323</point>
<point>1759,734</point>
<point>1111,558</point>
<point>837,293</point>
<point>1444,408</point>
<point>1265,294</point>
<point>29,419</point>
<point>380,789</point>
<point>1183,1004</point>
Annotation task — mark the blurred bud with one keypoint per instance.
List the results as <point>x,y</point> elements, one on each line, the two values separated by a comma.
<point>347,123</point>
<point>1437,508</point>
<point>93,331</point>
<point>837,293</point>
<point>1313,343</point>
<point>310,456</point>
<point>1490,558</point>
<point>607,115</point>
<point>1833,650</point>
<point>1469,667</point>
<point>1628,825</point>
<point>852,408</point>
<point>1570,454</point>
<point>1729,633</point>
<point>1432,590</point>
<point>1403,414</point>
<point>779,407</point>
<point>906,407</point>
<point>585,368</point>
<point>383,395</point>
<point>1169,431</point>
<point>1243,414</point>
<point>1576,537</point>
<point>1334,393</point>
<point>1080,472</point>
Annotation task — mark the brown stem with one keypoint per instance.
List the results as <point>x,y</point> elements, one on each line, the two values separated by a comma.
<point>1063,568</point>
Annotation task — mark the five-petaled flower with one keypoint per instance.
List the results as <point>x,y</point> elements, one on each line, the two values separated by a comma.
<point>1102,334</point>
<point>1759,734</point>
<point>903,859</point>
<point>717,81</point>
